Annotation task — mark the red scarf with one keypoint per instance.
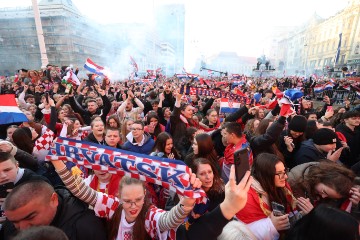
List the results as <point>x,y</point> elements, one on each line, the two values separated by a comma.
<point>208,129</point>
<point>188,122</point>
<point>112,187</point>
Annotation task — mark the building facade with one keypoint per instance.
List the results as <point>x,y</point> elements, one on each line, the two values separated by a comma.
<point>316,48</point>
<point>70,38</point>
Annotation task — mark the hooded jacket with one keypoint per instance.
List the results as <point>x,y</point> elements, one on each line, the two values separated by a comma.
<point>132,146</point>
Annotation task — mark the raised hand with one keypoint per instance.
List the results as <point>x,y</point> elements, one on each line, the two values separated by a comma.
<point>334,156</point>
<point>235,195</point>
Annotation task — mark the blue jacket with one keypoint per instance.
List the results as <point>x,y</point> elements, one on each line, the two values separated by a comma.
<point>146,148</point>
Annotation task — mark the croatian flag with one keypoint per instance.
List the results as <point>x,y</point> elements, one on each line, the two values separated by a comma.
<point>143,80</point>
<point>181,76</point>
<point>238,82</point>
<point>328,86</point>
<point>318,88</point>
<point>134,64</point>
<point>93,67</point>
<point>9,111</point>
<point>71,77</point>
<point>235,76</point>
<point>347,87</point>
<point>228,106</point>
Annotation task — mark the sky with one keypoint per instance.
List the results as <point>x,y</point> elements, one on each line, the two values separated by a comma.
<point>213,26</point>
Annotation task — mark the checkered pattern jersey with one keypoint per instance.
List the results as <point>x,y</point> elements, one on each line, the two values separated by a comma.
<point>159,224</point>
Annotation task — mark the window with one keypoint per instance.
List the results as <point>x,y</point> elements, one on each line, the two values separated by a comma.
<point>342,59</point>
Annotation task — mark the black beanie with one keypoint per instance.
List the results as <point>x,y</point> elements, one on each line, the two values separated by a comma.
<point>298,123</point>
<point>324,136</point>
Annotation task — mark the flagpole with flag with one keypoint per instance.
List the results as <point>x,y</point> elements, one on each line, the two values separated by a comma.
<point>337,55</point>
<point>9,110</point>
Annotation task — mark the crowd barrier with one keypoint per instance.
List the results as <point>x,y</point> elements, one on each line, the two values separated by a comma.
<point>338,96</point>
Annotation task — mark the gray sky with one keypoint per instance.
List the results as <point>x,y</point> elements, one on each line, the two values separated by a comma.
<point>212,26</point>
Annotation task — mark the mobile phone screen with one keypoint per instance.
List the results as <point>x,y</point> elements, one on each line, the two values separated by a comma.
<point>241,162</point>
<point>278,209</point>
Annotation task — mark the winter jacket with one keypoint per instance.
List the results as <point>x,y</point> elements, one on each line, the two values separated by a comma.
<point>353,141</point>
<point>263,143</point>
<point>288,156</point>
<point>73,217</point>
<point>209,226</point>
<point>26,160</point>
<point>145,148</point>
<point>178,131</point>
<point>91,138</point>
<point>308,153</point>
<point>86,114</point>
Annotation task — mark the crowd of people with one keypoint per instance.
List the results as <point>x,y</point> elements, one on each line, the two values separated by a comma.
<point>302,182</point>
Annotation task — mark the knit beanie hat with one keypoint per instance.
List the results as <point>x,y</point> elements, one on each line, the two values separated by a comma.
<point>298,123</point>
<point>324,136</point>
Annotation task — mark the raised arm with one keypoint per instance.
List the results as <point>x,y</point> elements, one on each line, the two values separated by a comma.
<point>21,98</point>
<point>173,218</point>
<point>76,185</point>
<point>75,105</point>
<point>236,115</point>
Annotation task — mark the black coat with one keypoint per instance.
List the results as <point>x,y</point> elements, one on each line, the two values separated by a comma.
<point>264,143</point>
<point>73,217</point>
<point>86,115</point>
<point>308,153</point>
<point>178,131</point>
<point>353,141</point>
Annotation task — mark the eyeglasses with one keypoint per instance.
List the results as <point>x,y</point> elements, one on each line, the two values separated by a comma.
<point>136,129</point>
<point>282,174</point>
<point>128,203</point>
<point>157,154</point>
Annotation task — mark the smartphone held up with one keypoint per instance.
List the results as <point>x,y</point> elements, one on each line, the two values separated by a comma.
<point>241,163</point>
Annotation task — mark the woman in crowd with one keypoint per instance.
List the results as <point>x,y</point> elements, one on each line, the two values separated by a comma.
<point>260,114</point>
<point>68,111</point>
<point>164,113</point>
<point>251,126</point>
<point>211,121</point>
<point>329,182</point>
<point>113,121</point>
<point>126,128</point>
<point>130,215</point>
<point>9,132</point>
<point>320,224</point>
<point>266,136</point>
<point>269,185</point>
<point>203,147</point>
<point>180,120</point>
<point>61,115</point>
<point>72,129</point>
<point>153,126</point>
<point>98,134</point>
<point>164,147</point>
<point>211,181</point>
